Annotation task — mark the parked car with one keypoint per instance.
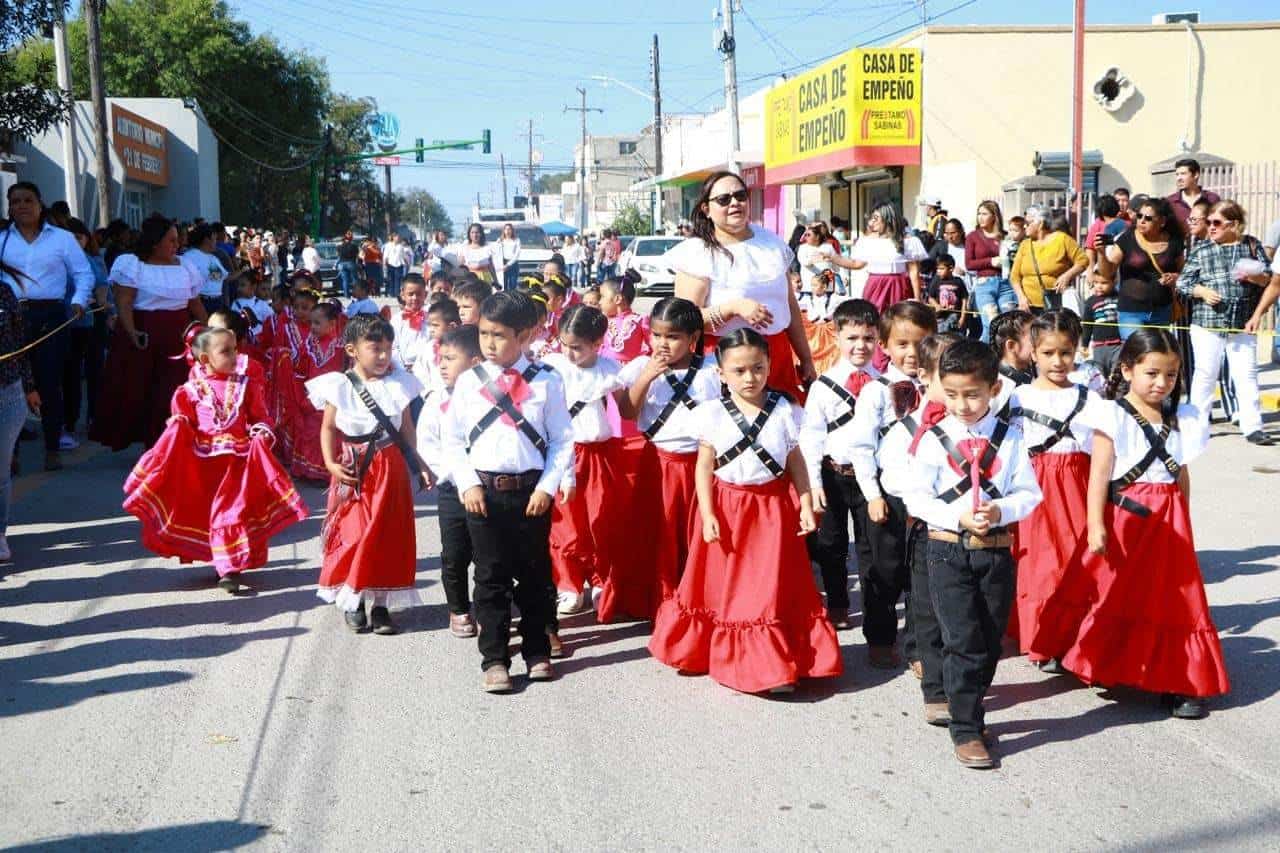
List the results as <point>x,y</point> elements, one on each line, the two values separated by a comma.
<point>535,246</point>
<point>328,275</point>
<point>643,254</point>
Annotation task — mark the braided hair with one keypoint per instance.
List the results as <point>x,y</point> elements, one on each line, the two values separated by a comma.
<point>1138,346</point>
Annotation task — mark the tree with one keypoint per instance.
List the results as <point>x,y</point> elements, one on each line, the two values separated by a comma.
<point>630,219</point>
<point>419,209</point>
<point>26,109</point>
<point>550,183</point>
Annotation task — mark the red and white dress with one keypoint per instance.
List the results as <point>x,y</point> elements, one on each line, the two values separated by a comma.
<point>368,537</point>
<point>657,536</point>
<point>210,489</point>
<point>320,356</point>
<point>584,531</point>
<point>747,611</point>
<point>285,334</point>
<point>1057,582</point>
<point>1151,628</point>
<point>627,338</point>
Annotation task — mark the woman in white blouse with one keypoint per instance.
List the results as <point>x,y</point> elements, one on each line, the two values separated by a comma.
<point>156,297</point>
<point>476,255</point>
<point>508,251</point>
<point>891,259</point>
<point>573,257</point>
<point>737,275</point>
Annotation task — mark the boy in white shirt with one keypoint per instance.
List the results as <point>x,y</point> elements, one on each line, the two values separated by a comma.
<point>442,316</point>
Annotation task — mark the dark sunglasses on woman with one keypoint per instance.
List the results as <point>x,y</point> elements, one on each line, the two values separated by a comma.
<point>724,198</point>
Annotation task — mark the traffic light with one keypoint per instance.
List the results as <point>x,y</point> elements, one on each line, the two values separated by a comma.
<point>417,155</point>
<point>485,147</point>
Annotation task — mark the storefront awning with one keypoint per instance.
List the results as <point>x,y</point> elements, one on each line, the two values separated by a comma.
<point>746,161</point>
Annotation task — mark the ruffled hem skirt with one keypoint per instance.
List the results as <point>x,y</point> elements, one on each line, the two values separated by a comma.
<point>219,509</point>
<point>747,611</point>
<point>582,532</point>
<point>1151,627</point>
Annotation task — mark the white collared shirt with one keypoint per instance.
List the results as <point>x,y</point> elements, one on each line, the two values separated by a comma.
<point>592,385</point>
<point>392,392</point>
<point>931,474</point>
<point>1184,444</point>
<point>895,455</point>
<point>430,433</point>
<point>503,448</point>
<point>1057,403</point>
<point>47,262</point>
<point>680,433</point>
<point>778,437</point>
<point>821,408</point>
<point>818,309</point>
<point>404,349</point>
<point>875,413</point>
<point>425,358</point>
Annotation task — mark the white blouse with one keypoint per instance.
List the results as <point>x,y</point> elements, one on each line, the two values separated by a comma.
<point>1185,444</point>
<point>883,257</point>
<point>476,256</point>
<point>779,436</point>
<point>508,252</point>
<point>161,287</point>
<point>813,260</point>
<point>680,433</point>
<point>391,392</point>
<point>1057,403</point>
<point>593,385</point>
<point>755,268</point>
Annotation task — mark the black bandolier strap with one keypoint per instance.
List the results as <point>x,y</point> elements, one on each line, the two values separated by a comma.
<point>679,396</point>
<point>751,432</point>
<point>576,408</point>
<point>1156,451</point>
<point>988,456</point>
<point>386,431</point>
<point>1060,428</point>
<point>502,405</point>
<point>845,397</point>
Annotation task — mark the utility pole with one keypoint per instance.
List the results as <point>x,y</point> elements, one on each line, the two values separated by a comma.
<point>1077,113</point>
<point>530,135</point>
<point>386,202</point>
<point>70,158</point>
<point>502,166</point>
<point>728,47</point>
<point>90,11</point>
<point>582,168</point>
<point>657,140</point>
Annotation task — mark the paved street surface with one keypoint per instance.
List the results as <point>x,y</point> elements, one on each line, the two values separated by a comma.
<point>142,709</point>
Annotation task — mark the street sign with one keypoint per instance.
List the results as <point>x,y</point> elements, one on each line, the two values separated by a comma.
<point>386,161</point>
<point>385,130</point>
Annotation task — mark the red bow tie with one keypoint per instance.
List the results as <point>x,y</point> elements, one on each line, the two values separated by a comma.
<point>972,449</point>
<point>856,382</point>
<point>511,383</point>
<point>906,397</point>
<point>414,319</point>
<point>931,417</point>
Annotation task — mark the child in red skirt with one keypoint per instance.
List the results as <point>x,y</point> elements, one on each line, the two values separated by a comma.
<point>583,529</point>
<point>210,488</point>
<point>1057,576</point>
<point>628,335</point>
<point>368,535</point>
<point>660,393</point>
<point>287,394</point>
<point>1150,627</point>
<point>747,611</point>
<point>322,353</point>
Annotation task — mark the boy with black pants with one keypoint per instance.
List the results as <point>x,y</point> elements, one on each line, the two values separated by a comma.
<point>457,351</point>
<point>971,572</point>
<point>890,399</point>
<point>509,438</point>
<point>826,442</point>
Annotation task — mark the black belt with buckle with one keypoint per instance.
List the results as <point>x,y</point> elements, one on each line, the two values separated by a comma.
<point>524,481</point>
<point>838,467</point>
<point>999,537</point>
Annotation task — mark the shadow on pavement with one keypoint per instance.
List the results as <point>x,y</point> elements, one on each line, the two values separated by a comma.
<point>1218,566</point>
<point>190,838</point>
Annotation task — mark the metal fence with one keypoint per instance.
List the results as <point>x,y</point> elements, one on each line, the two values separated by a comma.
<point>1253,186</point>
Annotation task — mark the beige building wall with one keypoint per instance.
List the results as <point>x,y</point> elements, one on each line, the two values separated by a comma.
<point>994,96</point>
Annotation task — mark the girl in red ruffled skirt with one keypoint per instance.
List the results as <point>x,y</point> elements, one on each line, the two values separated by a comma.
<point>1151,627</point>
<point>747,611</point>
<point>210,489</point>
<point>321,352</point>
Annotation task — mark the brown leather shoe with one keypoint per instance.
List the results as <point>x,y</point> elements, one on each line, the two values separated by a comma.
<point>839,618</point>
<point>973,754</point>
<point>461,625</point>
<point>917,669</point>
<point>883,657</point>
<point>937,713</point>
<point>540,670</point>
<point>497,679</point>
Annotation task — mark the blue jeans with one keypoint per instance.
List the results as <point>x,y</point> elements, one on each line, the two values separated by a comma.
<point>511,278</point>
<point>395,275</point>
<point>992,296</point>
<point>1131,320</point>
<point>13,414</point>
<point>606,271</point>
<point>572,271</point>
<point>347,275</point>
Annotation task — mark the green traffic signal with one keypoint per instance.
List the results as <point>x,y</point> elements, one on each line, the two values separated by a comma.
<point>418,155</point>
<point>485,146</point>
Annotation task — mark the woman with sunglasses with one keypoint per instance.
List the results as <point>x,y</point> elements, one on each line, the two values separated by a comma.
<point>1149,258</point>
<point>1224,278</point>
<point>737,274</point>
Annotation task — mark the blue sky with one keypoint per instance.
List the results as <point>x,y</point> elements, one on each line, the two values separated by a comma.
<point>450,69</point>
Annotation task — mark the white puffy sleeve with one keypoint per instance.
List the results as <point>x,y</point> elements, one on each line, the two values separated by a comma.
<point>913,249</point>
<point>125,271</point>
<point>327,390</point>
<point>691,257</point>
<point>1193,434</point>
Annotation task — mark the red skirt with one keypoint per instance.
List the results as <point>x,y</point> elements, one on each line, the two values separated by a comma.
<point>219,509</point>
<point>368,538</point>
<point>783,375</point>
<point>138,406</point>
<point>308,460</point>
<point>648,567</point>
<point>581,532</point>
<point>286,402</point>
<point>885,290</point>
<point>1151,627</point>
<point>747,611</point>
<point>1058,577</point>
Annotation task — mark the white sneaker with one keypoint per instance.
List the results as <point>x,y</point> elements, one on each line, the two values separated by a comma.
<point>67,442</point>
<point>6,556</point>
<point>569,603</point>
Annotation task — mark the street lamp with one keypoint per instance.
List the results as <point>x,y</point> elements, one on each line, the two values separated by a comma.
<point>600,78</point>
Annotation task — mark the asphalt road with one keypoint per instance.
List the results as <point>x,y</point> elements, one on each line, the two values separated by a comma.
<point>142,709</point>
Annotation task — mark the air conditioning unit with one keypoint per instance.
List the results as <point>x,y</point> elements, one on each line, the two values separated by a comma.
<point>1176,18</point>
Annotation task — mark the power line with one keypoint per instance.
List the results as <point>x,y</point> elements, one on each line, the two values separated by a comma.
<point>310,159</point>
<point>223,98</point>
<point>768,40</point>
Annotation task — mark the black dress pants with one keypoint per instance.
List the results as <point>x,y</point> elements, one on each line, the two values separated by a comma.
<point>885,577</point>
<point>972,592</point>
<point>47,362</point>
<point>924,621</point>
<point>512,555</point>
<point>455,548</point>
<point>829,544</point>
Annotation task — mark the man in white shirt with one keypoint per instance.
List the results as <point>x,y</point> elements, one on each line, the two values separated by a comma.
<point>310,257</point>
<point>394,257</point>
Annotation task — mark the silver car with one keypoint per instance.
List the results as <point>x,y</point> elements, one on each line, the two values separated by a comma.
<point>644,255</point>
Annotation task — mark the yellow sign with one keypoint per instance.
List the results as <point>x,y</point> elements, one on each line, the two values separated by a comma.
<point>860,108</point>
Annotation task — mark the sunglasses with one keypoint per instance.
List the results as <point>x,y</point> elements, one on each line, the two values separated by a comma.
<point>724,198</point>
<point>1145,217</point>
<point>1221,223</point>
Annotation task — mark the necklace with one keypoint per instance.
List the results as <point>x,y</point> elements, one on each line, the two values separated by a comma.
<point>226,409</point>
